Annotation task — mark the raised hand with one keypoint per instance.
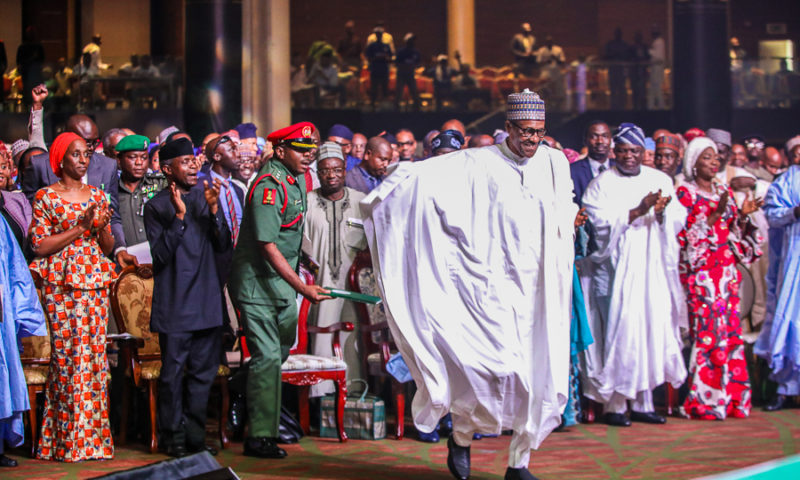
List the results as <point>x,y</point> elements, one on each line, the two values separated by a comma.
<point>177,200</point>
<point>751,205</point>
<point>723,203</point>
<point>580,218</point>
<point>212,194</point>
<point>103,217</point>
<point>87,218</point>
<point>720,210</point>
<point>39,94</point>
<point>661,204</point>
<point>649,201</point>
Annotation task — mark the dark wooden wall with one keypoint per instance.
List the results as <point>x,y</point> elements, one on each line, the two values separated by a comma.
<point>749,19</point>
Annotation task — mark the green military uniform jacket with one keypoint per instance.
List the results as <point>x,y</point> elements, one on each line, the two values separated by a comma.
<point>131,205</point>
<point>275,210</point>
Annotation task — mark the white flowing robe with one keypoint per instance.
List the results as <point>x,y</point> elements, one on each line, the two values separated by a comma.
<point>333,244</point>
<point>473,255</point>
<point>635,301</point>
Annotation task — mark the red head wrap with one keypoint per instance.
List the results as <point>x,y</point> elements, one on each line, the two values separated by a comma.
<point>59,148</point>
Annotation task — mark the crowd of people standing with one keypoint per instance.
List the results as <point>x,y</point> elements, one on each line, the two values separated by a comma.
<point>642,257</point>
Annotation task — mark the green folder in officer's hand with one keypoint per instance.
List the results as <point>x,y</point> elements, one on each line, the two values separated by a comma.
<point>356,297</point>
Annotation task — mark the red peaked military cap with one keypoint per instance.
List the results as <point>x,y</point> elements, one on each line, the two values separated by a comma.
<point>297,135</point>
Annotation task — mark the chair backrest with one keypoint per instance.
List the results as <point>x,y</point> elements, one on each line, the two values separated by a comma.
<point>37,349</point>
<point>301,341</point>
<point>361,279</point>
<point>131,301</point>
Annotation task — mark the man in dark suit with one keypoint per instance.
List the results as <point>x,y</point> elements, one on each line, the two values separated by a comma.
<point>185,228</point>
<point>368,174</point>
<point>598,141</point>
<point>223,155</point>
<point>102,173</point>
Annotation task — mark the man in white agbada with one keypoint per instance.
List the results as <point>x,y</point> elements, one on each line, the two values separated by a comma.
<point>635,301</point>
<point>473,254</point>
<point>333,242</point>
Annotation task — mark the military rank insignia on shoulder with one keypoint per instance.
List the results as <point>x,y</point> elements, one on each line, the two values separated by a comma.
<point>269,196</point>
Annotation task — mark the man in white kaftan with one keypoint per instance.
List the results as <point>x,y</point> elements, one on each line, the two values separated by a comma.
<point>635,300</point>
<point>333,242</point>
<point>473,254</point>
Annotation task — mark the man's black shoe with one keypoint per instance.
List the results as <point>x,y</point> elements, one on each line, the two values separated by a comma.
<point>176,451</point>
<point>458,460</point>
<point>7,461</point>
<point>648,417</point>
<point>203,448</point>
<point>263,447</point>
<point>519,474</point>
<point>617,419</point>
<point>779,402</point>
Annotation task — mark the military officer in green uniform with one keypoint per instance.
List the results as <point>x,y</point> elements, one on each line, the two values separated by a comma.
<point>264,283</point>
<point>136,185</point>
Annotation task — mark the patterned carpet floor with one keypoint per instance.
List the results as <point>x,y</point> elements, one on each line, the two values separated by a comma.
<point>681,449</point>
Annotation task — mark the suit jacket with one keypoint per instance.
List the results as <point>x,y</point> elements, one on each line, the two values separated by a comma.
<point>186,292</point>
<point>355,179</point>
<point>581,172</point>
<point>102,173</point>
<point>224,259</point>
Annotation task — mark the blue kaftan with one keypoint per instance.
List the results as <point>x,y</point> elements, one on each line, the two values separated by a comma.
<point>22,317</point>
<point>779,341</point>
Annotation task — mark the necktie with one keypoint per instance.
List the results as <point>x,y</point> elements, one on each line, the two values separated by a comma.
<point>601,169</point>
<point>232,210</point>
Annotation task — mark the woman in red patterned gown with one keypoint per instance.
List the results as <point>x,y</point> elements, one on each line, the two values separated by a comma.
<point>71,238</point>
<point>716,237</point>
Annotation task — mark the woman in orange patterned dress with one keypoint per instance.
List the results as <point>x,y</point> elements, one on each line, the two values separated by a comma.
<point>71,238</point>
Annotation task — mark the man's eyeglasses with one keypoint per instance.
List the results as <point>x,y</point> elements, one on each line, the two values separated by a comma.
<point>328,171</point>
<point>526,133</point>
<point>754,144</point>
<point>342,144</point>
<point>405,144</point>
<point>93,143</point>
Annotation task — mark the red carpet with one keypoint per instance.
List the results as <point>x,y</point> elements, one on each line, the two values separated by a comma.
<point>681,449</point>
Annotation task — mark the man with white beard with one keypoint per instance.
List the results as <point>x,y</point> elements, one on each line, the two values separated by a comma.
<point>635,299</point>
<point>476,277</point>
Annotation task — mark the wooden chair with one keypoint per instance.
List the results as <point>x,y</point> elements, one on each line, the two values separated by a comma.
<point>35,358</point>
<point>375,335</point>
<point>131,301</point>
<point>304,370</point>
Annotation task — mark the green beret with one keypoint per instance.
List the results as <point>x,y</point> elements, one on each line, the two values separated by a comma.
<point>133,143</point>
